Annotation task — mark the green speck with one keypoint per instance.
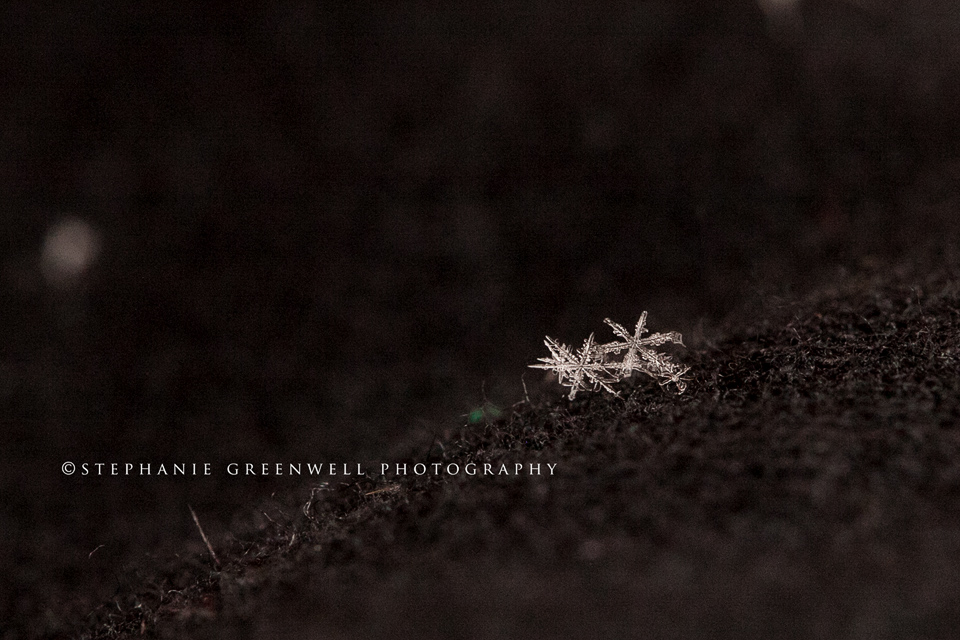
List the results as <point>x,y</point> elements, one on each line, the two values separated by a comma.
<point>488,410</point>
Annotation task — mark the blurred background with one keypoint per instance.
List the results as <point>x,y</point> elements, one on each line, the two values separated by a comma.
<point>309,230</point>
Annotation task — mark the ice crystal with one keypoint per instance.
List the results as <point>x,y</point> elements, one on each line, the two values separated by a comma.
<point>578,369</point>
<point>591,367</point>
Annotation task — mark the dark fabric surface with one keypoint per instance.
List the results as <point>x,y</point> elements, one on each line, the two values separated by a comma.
<point>341,233</point>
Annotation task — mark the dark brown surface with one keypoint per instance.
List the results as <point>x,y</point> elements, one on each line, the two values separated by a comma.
<point>807,485</point>
<point>337,233</point>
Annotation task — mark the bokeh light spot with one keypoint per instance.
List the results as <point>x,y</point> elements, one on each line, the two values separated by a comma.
<point>69,249</point>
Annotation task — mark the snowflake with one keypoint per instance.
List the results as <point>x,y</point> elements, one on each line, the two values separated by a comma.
<point>674,373</point>
<point>639,354</point>
<point>573,368</point>
<point>591,366</point>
